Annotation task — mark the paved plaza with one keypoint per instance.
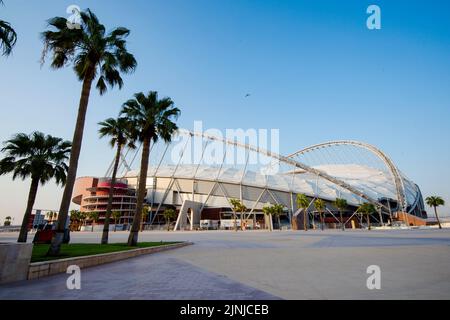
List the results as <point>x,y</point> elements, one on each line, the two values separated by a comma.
<point>415,264</point>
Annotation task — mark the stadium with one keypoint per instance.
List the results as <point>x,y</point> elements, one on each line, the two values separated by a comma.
<point>198,175</point>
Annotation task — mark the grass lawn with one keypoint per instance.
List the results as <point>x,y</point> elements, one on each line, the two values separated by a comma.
<point>86,249</point>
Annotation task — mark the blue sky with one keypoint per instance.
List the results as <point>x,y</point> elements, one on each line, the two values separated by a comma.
<point>313,68</point>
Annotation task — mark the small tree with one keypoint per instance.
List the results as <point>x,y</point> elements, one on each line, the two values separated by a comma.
<point>93,216</point>
<point>238,207</point>
<point>7,221</point>
<point>341,205</point>
<point>75,220</point>
<point>367,209</point>
<point>268,211</point>
<point>144,215</point>
<point>435,202</point>
<point>168,215</point>
<point>303,203</point>
<point>277,212</point>
<point>116,216</point>
<point>320,207</point>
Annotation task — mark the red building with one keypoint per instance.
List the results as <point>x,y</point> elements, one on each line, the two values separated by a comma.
<point>91,194</point>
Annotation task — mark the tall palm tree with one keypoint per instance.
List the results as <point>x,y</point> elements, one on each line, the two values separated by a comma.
<point>319,204</point>
<point>435,201</point>
<point>168,215</point>
<point>152,119</point>
<point>93,52</point>
<point>38,156</point>
<point>367,209</point>
<point>341,205</point>
<point>119,132</point>
<point>8,37</point>
<point>303,203</point>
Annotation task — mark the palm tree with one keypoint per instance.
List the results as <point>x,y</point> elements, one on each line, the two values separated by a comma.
<point>303,203</point>
<point>75,220</point>
<point>7,221</point>
<point>151,119</point>
<point>93,52</point>
<point>144,216</point>
<point>341,205</point>
<point>277,212</point>
<point>238,206</point>
<point>8,37</point>
<point>319,204</point>
<point>93,216</point>
<point>116,216</point>
<point>119,132</point>
<point>268,211</point>
<point>38,156</point>
<point>435,201</point>
<point>367,209</point>
<point>168,215</point>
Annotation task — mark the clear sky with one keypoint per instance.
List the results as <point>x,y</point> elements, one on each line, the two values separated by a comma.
<point>313,69</point>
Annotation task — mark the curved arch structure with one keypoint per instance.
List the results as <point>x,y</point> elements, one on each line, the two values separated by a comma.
<point>397,178</point>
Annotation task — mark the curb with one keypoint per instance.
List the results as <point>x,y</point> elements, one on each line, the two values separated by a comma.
<point>42,269</point>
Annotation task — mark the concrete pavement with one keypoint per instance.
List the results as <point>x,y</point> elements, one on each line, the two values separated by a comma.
<point>262,265</point>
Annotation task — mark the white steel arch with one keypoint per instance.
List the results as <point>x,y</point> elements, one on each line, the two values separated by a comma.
<point>398,180</point>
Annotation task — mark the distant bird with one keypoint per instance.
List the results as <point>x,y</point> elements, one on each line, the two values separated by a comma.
<point>247,95</point>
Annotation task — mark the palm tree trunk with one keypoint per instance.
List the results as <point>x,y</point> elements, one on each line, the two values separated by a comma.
<point>304,221</point>
<point>342,221</point>
<point>321,221</point>
<point>437,218</point>
<point>368,221</point>
<point>134,231</point>
<point>30,203</point>
<point>279,223</point>
<point>73,164</point>
<point>110,196</point>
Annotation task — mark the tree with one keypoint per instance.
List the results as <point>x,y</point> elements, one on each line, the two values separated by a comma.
<point>93,216</point>
<point>51,215</point>
<point>75,220</point>
<point>435,201</point>
<point>303,203</point>
<point>278,210</point>
<point>168,215</point>
<point>93,53</point>
<point>151,119</point>
<point>367,209</point>
<point>120,133</point>
<point>319,204</point>
<point>268,211</point>
<point>8,37</point>
<point>38,156</point>
<point>341,205</point>
<point>238,206</point>
<point>116,216</point>
<point>7,221</point>
<point>144,214</point>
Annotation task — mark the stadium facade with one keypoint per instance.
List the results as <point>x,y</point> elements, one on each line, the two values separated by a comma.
<point>199,174</point>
